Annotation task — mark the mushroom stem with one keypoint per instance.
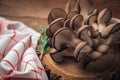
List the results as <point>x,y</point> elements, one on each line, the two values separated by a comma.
<point>75,42</point>
<point>84,35</point>
<point>65,37</point>
<point>58,56</point>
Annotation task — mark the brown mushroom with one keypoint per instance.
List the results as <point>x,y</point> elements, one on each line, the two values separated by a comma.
<point>58,56</point>
<point>104,18</point>
<point>87,10</point>
<point>93,23</point>
<point>54,26</point>
<point>76,22</point>
<point>48,33</point>
<point>83,33</point>
<point>71,14</point>
<point>56,13</point>
<point>67,23</point>
<point>82,49</point>
<point>72,5</point>
<point>65,37</point>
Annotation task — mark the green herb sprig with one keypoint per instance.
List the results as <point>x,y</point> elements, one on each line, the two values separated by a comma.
<point>41,48</point>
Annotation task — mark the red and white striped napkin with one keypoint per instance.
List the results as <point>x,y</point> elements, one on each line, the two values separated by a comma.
<point>18,58</point>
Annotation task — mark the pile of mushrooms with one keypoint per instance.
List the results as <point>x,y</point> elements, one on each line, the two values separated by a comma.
<point>83,33</point>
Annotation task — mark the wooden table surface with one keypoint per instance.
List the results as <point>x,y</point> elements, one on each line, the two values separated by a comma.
<point>34,12</point>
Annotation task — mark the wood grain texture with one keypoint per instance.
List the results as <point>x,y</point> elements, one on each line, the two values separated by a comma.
<point>70,70</point>
<point>34,12</point>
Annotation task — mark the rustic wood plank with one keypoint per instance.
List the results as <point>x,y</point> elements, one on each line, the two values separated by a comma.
<point>34,12</point>
<point>32,8</point>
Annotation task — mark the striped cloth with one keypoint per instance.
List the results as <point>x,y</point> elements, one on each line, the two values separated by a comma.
<point>18,58</point>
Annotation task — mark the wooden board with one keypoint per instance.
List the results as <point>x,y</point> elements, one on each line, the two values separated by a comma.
<point>70,70</point>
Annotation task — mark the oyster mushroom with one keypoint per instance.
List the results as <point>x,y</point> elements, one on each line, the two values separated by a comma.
<point>72,5</point>
<point>65,37</point>
<point>48,33</point>
<point>76,22</point>
<point>102,25</point>
<point>83,33</point>
<point>80,32</point>
<point>56,13</point>
<point>58,56</point>
<point>71,14</point>
<point>103,19</point>
<point>54,26</point>
<point>67,23</point>
<point>93,22</point>
<point>87,10</point>
<point>82,49</point>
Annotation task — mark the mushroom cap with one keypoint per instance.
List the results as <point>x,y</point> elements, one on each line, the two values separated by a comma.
<point>72,5</point>
<point>63,38</point>
<point>82,28</point>
<point>49,43</point>
<point>84,52</point>
<point>55,25</point>
<point>67,23</point>
<point>48,33</point>
<point>78,48</point>
<point>93,20</point>
<point>76,22</point>
<point>104,16</point>
<point>83,33</point>
<point>71,14</point>
<point>56,13</point>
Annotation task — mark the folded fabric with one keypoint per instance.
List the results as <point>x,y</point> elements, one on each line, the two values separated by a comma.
<point>18,58</point>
